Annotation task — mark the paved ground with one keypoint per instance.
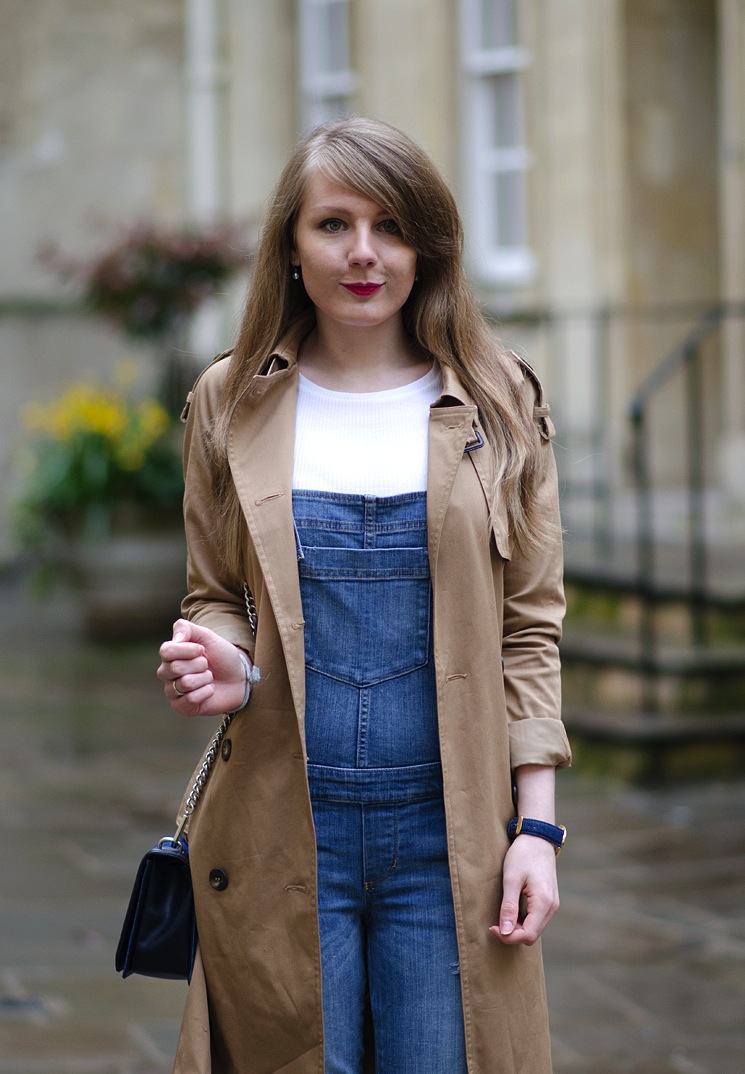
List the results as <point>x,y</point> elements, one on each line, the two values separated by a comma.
<point>645,963</point>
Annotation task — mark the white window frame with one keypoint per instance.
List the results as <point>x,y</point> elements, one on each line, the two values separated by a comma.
<point>492,262</point>
<point>324,93</point>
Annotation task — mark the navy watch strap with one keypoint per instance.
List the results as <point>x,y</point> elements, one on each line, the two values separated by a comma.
<point>553,833</point>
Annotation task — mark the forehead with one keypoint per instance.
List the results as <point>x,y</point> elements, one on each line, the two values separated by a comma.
<point>324,193</point>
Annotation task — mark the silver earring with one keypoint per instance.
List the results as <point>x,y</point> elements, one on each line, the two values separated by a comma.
<point>296,272</point>
<point>416,278</point>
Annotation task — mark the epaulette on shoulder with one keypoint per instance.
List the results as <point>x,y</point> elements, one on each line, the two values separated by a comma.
<point>541,409</point>
<point>190,396</point>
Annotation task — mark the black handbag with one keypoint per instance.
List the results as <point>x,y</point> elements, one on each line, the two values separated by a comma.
<point>159,934</point>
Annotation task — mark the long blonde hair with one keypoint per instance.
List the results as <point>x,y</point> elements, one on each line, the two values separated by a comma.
<point>441,315</point>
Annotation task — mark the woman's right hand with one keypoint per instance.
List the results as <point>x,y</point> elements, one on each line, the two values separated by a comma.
<point>203,674</point>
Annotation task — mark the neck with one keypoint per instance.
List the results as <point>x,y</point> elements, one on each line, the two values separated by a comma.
<point>359,360</point>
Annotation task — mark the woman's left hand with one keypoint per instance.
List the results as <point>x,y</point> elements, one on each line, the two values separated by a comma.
<point>529,871</point>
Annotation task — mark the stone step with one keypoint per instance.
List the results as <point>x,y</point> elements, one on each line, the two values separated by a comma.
<point>603,599</point>
<point>627,726</point>
<point>615,569</point>
<point>643,747</point>
<point>608,668</point>
<point>586,645</point>
<point>722,592</point>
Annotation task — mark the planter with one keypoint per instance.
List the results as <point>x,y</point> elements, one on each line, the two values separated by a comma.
<point>130,584</point>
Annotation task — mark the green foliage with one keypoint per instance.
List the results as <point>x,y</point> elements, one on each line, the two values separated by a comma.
<point>96,454</point>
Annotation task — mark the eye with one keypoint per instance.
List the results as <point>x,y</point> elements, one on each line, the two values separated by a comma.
<point>390,227</point>
<point>331,226</point>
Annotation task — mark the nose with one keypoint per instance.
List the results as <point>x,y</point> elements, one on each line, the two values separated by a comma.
<point>362,250</point>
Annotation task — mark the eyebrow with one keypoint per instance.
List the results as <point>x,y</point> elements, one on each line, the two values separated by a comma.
<point>331,209</point>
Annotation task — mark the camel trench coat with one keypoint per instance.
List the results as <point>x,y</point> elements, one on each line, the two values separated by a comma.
<point>254,1003</point>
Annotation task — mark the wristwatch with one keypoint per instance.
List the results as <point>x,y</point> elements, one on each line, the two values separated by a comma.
<point>553,833</point>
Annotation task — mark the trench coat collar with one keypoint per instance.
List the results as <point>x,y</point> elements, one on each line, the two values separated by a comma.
<point>285,354</point>
<point>261,454</point>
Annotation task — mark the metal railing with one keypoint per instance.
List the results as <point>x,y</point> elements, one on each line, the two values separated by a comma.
<point>548,337</point>
<point>634,538</point>
<point>686,360</point>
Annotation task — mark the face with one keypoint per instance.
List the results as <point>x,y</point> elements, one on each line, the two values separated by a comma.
<point>355,265</point>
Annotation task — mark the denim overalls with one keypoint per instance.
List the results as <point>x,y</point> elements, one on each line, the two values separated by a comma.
<point>385,901</point>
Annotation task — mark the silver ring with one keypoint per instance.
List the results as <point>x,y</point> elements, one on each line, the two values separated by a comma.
<point>176,690</point>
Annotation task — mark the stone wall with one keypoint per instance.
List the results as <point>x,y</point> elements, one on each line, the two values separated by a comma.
<point>634,196</point>
<point>91,137</point>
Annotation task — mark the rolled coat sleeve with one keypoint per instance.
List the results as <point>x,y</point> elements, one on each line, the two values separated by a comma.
<point>533,611</point>
<point>214,599</point>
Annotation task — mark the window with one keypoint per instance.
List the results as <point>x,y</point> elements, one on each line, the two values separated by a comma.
<point>327,82</point>
<point>495,156</point>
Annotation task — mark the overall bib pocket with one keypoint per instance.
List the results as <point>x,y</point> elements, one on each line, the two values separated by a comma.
<point>367,612</point>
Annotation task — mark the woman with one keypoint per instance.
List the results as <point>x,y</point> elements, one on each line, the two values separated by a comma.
<point>378,471</point>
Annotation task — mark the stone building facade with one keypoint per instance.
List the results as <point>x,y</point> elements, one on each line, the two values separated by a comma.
<point>596,148</point>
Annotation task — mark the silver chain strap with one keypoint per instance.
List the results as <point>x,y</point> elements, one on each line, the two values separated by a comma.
<point>214,747</point>
<point>203,775</point>
<point>250,608</point>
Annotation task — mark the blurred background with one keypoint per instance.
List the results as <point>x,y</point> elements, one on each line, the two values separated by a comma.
<point>597,152</point>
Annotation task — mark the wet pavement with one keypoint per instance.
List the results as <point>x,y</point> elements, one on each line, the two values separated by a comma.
<point>645,963</point>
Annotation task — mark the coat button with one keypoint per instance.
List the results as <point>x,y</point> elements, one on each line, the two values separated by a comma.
<point>225,749</point>
<point>219,879</point>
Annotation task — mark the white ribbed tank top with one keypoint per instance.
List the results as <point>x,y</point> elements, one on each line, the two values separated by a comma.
<point>367,443</point>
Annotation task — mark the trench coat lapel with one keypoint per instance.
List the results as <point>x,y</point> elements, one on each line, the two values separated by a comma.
<point>451,428</point>
<point>455,430</point>
<point>261,451</point>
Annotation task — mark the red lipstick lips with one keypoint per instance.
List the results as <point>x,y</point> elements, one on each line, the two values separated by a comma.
<point>362,288</point>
